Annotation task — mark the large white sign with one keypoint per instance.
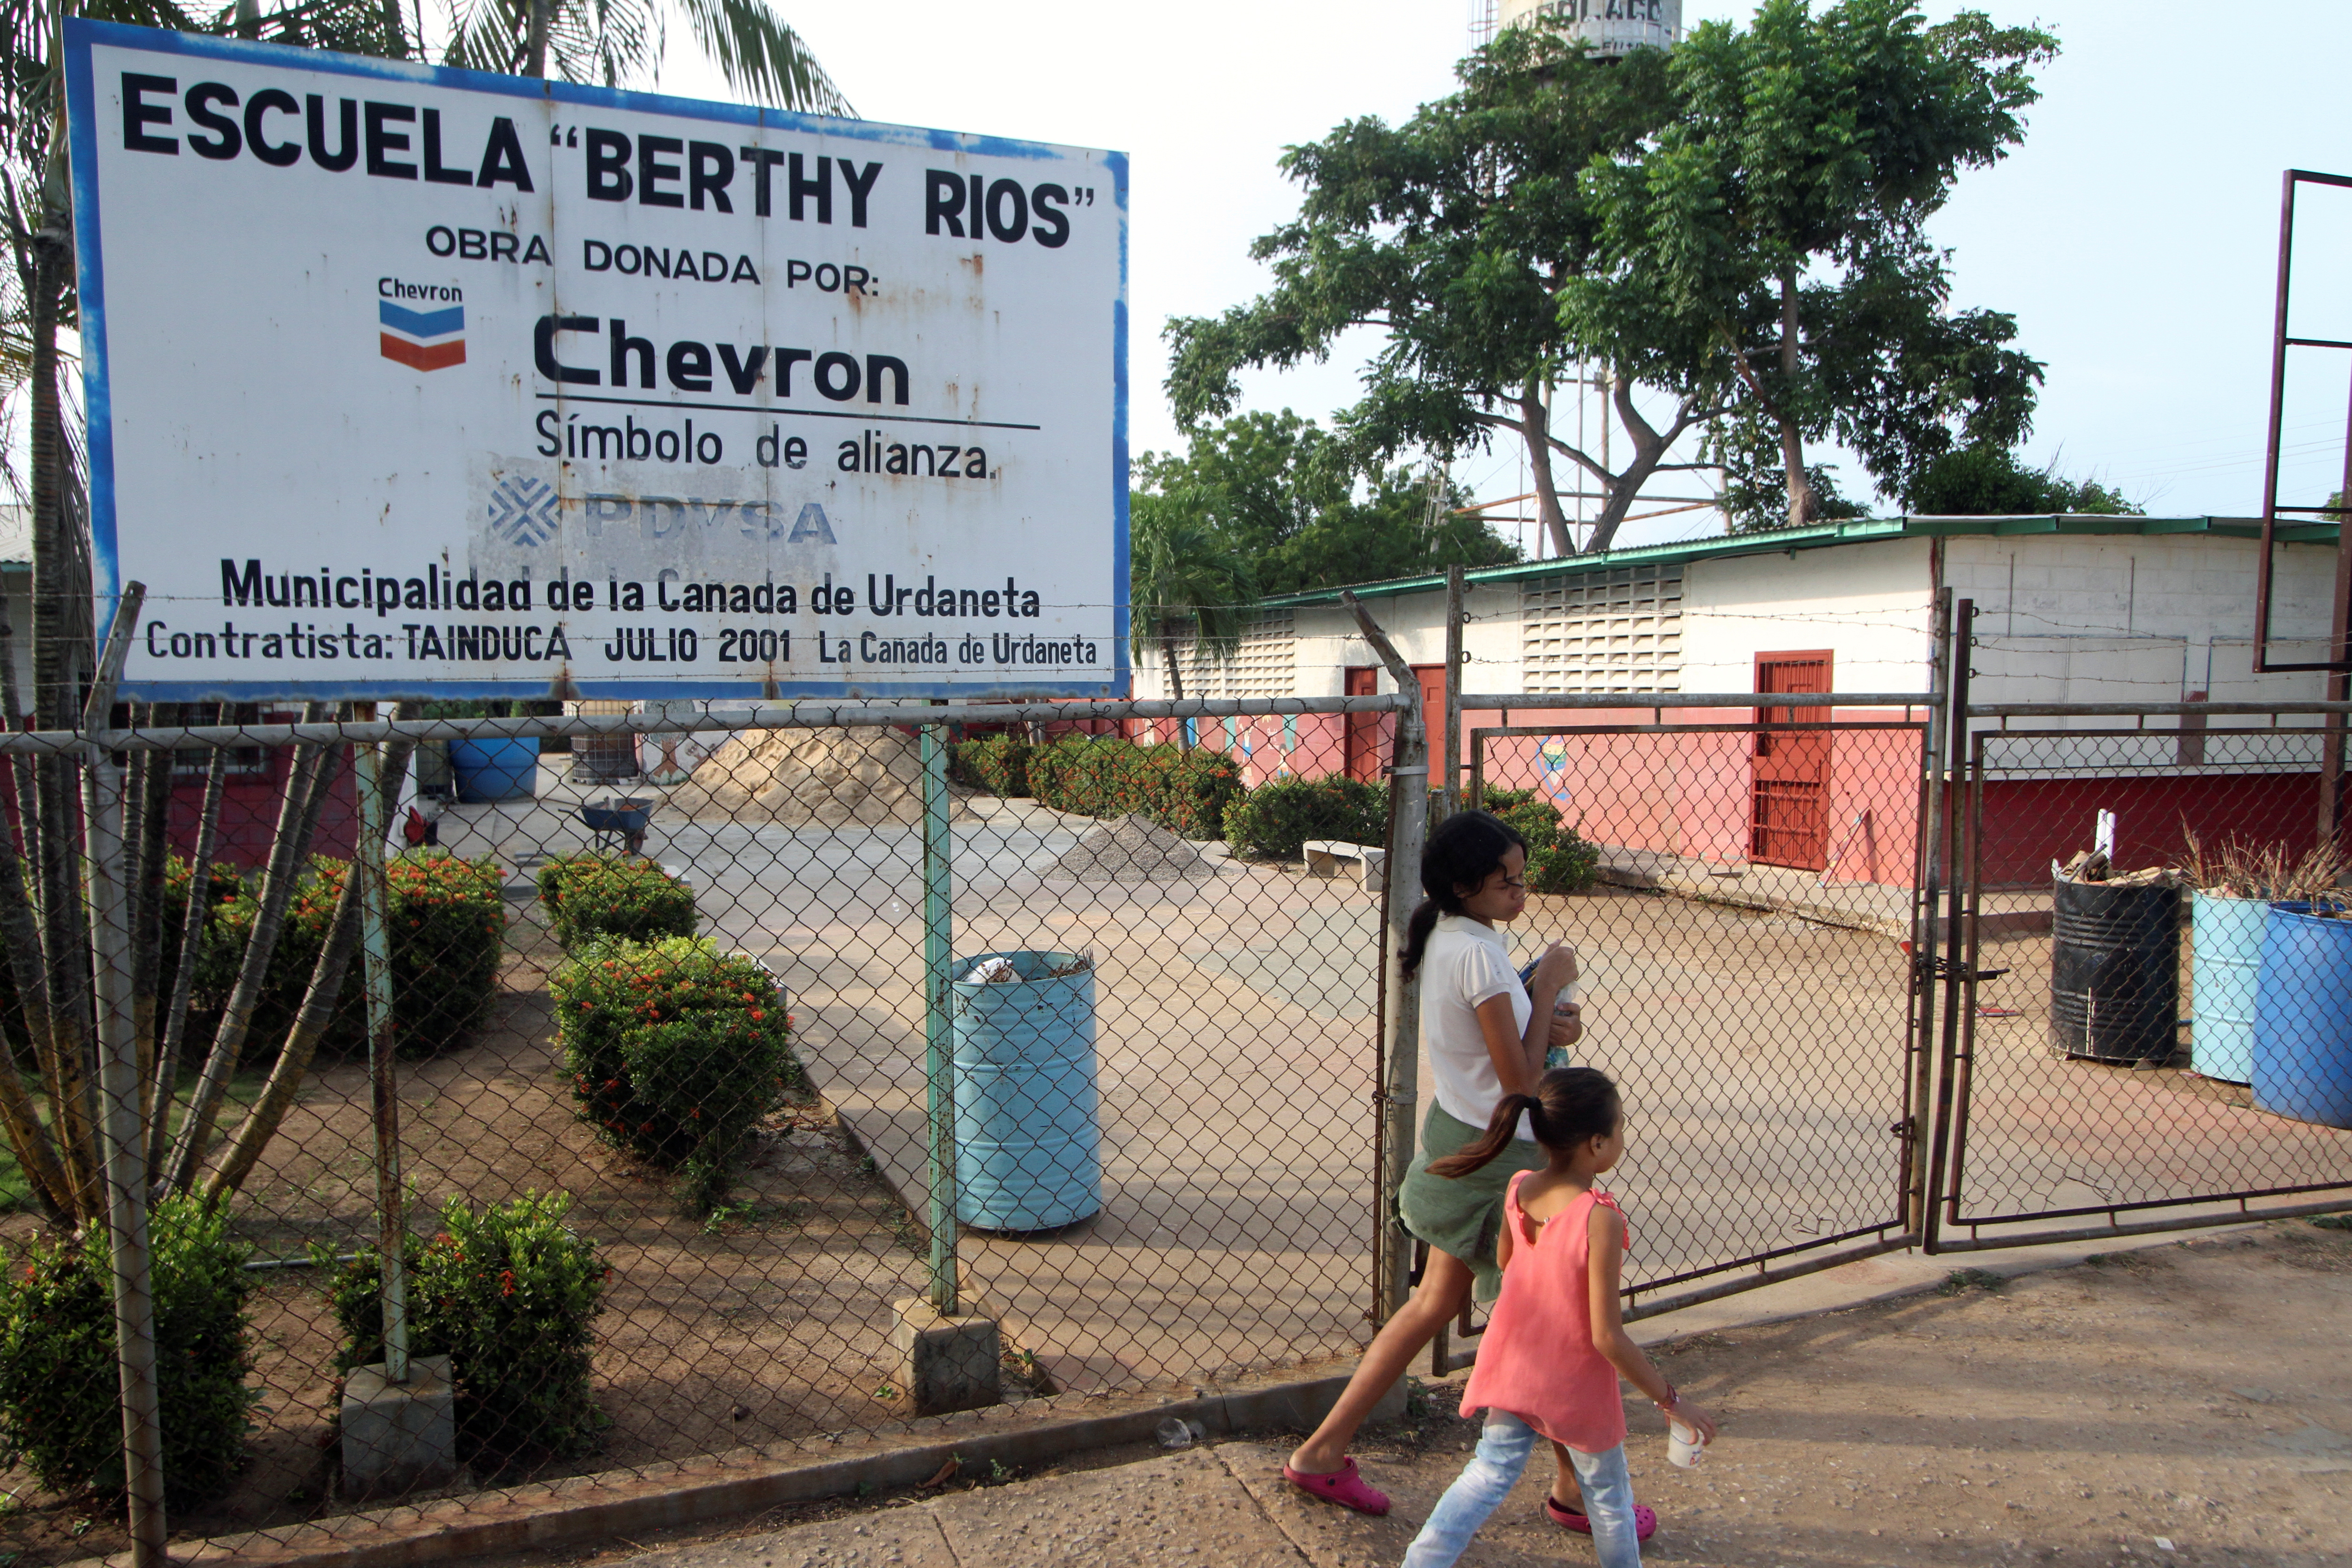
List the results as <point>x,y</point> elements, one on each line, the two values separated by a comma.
<point>404,379</point>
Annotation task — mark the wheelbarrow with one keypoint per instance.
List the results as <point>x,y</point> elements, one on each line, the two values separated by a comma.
<point>618,821</point>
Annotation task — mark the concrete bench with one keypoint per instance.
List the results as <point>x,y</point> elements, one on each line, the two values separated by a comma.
<point>1324,855</point>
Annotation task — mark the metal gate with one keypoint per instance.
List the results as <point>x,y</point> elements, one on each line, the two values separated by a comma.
<point>2098,1075</point>
<point>1769,1024</point>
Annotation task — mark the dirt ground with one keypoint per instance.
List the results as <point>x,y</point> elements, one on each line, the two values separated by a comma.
<point>2189,1403</point>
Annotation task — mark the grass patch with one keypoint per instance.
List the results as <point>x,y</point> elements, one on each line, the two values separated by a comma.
<point>1961,1281</point>
<point>2333,1221</point>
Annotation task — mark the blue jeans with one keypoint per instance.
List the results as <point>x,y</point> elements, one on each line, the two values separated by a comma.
<point>1504,1447</point>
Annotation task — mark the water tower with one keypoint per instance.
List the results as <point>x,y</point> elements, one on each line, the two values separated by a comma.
<point>1610,26</point>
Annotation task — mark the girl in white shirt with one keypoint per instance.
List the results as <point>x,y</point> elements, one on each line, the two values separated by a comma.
<point>1486,1036</point>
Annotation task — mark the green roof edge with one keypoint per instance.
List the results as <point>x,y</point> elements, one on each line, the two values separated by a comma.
<point>1851,530</point>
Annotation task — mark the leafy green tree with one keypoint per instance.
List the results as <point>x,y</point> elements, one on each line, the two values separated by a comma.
<point>1779,212</point>
<point>1183,570</point>
<point>1453,235</point>
<point>1983,480</point>
<point>1283,492</point>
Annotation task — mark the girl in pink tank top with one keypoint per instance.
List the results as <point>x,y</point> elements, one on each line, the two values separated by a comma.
<point>1555,1344</point>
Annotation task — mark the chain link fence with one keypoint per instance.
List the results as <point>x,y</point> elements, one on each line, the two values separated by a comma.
<point>2157,995</point>
<point>1747,887</point>
<point>671,992</point>
<point>656,1069</point>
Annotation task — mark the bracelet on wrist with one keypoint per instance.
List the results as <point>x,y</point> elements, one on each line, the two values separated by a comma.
<point>1666,1406</point>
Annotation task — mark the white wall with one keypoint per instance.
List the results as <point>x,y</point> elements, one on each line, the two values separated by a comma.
<point>1870,604</point>
<point>2105,619</point>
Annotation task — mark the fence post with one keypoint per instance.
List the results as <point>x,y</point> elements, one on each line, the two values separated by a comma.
<point>938,948</point>
<point>1921,1029</point>
<point>125,1137</point>
<point>375,958</point>
<point>1401,1021</point>
<point>1956,743</point>
<point>1449,749</point>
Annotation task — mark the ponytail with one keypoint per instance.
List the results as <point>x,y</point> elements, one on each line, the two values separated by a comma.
<point>1467,849</point>
<point>1416,935</point>
<point>1570,1106</point>
<point>1491,1142</point>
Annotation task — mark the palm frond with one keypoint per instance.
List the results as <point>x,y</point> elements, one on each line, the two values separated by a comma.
<point>761,56</point>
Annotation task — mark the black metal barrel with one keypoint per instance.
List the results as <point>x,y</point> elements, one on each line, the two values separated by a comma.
<point>2114,971</point>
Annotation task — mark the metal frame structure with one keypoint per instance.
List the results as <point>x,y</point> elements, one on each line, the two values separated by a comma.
<point>2282,340</point>
<point>1772,1265</point>
<point>1944,1213</point>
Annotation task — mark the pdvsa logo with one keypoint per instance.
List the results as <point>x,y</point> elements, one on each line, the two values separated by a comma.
<point>421,340</point>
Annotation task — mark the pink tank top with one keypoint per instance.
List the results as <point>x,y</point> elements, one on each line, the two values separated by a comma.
<point>1536,1359</point>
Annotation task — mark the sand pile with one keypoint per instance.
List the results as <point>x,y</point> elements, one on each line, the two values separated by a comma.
<point>866,778</point>
<point>1132,849</point>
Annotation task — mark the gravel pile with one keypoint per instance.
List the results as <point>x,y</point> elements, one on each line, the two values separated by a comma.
<point>1132,849</point>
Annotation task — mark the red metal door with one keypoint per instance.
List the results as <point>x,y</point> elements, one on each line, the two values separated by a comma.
<point>1363,732</point>
<point>1432,715</point>
<point>1789,811</point>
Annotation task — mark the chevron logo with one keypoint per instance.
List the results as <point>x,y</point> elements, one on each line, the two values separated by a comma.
<point>522,510</point>
<point>421,340</point>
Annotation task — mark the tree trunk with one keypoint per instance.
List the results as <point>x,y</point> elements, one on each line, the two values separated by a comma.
<point>69,1067</point>
<point>1535,427</point>
<point>1803,505</point>
<point>1175,677</point>
<point>1649,450</point>
<point>306,784</point>
<point>260,1125</point>
<point>535,44</point>
<point>192,943</point>
<point>150,808</point>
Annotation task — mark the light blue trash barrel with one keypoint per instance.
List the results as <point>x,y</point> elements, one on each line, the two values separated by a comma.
<point>2227,943</point>
<point>2303,1017</point>
<point>1028,1143</point>
<point>496,770</point>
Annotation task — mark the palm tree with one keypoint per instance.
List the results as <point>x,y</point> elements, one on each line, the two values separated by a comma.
<point>620,43</point>
<point>1183,570</point>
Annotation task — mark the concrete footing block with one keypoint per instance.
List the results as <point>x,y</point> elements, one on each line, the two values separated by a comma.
<point>944,1363</point>
<point>398,1436</point>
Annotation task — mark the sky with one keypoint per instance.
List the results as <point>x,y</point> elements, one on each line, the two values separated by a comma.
<point>2134,235</point>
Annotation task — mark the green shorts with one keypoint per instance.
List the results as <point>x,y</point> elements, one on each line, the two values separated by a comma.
<point>1463,1216</point>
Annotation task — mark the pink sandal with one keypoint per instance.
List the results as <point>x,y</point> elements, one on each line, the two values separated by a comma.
<point>1342,1486</point>
<point>1646,1519</point>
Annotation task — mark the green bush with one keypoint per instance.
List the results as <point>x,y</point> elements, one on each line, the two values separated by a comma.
<point>447,924</point>
<point>589,896</point>
<point>1558,860</point>
<point>510,1296</point>
<point>60,1415</point>
<point>676,1051</point>
<point>998,763</point>
<point>1187,792</point>
<point>1273,820</point>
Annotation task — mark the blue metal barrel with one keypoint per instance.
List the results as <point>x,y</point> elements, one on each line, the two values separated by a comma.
<point>2226,948</point>
<point>1028,1140</point>
<point>496,770</point>
<point>2303,1017</point>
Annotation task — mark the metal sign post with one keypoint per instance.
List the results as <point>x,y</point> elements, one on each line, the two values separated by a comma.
<point>939,947</point>
<point>375,949</point>
<point>124,1135</point>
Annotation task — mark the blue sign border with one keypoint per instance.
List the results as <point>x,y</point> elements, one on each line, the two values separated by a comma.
<point>82,103</point>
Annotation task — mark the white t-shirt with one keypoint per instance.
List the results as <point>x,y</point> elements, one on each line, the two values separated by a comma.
<point>1466,964</point>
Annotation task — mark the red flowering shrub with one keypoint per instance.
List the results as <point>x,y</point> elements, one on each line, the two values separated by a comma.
<point>677,1051</point>
<point>446,924</point>
<point>1184,792</point>
<point>590,896</point>
<point>510,1296</point>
